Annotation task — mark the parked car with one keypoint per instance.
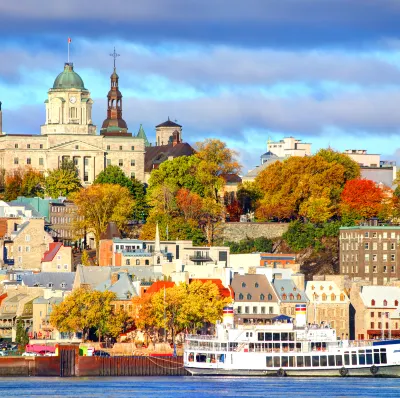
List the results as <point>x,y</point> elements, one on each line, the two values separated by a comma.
<point>101,354</point>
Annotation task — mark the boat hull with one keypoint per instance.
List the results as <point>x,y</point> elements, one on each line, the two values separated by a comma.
<point>383,371</point>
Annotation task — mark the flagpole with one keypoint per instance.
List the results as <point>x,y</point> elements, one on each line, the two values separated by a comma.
<point>68,49</point>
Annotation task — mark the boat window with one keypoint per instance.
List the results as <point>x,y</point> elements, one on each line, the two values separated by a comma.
<point>377,359</point>
<point>323,361</point>
<point>315,360</point>
<point>268,336</point>
<point>269,362</point>
<point>276,336</point>
<point>383,355</point>
<point>291,346</point>
<point>260,336</point>
<point>298,347</point>
<point>223,346</point>
<point>361,357</point>
<point>285,347</point>
<point>221,358</point>
<point>233,346</point>
<point>191,357</point>
<point>354,358</point>
<point>201,357</point>
<point>331,360</point>
<point>369,357</point>
<point>339,360</point>
<point>291,337</point>
<point>285,362</point>
<point>307,361</point>
<point>291,361</point>
<point>277,347</point>
<point>346,358</point>
<point>277,362</point>
<point>300,362</point>
<point>285,336</point>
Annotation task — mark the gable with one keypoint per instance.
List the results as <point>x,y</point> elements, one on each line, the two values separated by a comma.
<point>71,146</point>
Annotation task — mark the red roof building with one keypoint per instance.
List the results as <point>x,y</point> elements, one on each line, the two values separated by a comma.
<point>157,286</point>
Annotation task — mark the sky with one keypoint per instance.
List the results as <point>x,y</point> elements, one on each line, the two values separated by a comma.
<point>323,71</point>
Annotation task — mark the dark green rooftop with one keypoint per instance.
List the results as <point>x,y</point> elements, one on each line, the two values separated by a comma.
<point>68,79</point>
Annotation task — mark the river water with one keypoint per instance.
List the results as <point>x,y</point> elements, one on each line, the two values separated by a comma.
<point>198,387</point>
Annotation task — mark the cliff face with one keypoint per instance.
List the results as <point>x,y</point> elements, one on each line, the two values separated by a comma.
<point>322,262</point>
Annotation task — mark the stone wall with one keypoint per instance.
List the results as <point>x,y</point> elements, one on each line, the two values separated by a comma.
<point>237,231</point>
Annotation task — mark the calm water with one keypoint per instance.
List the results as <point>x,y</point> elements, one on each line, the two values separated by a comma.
<point>195,387</point>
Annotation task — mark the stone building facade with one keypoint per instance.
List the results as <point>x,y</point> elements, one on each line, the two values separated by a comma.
<point>69,133</point>
<point>370,253</point>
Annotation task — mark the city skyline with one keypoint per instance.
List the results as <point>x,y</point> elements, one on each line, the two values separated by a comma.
<point>242,74</point>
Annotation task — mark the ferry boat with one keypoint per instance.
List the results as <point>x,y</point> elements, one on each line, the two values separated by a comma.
<point>287,349</point>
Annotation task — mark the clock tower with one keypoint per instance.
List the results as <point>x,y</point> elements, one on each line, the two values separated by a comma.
<point>68,106</point>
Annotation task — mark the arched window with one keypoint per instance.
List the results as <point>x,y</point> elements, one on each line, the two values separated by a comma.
<point>240,296</point>
<point>333,297</point>
<point>284,297</point>
<point>291,296</point>
<point>256,284</point>
<point>324,297</point>
<point>342,297</point>
<point>385,303</point>
<point>312,287</point>
<point>262,297</point>
<point>298,296</point>
<point>396,303</point>
<point>270,296</point>
<point>372,302</point>
<point>321,287</point>
<point>243,284</point>
<point>248,296</point>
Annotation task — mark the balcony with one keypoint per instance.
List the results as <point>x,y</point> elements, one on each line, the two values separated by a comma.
<point>6,325</point>
<point>201,258</point>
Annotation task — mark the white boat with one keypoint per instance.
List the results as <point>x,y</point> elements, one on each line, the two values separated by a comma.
<point>283,349</point>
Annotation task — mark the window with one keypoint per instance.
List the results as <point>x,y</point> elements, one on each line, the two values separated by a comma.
<point>108,147</point>
<point>366,245</point>
<point>372,314</point>
<point>108,162</point>
<point>248,296</point>
<point>385,268</point>
<point>366,234</point>
<point>333,297</point>
<point>374,257</point>
<point>120,147</point>
<point>246,310</point>
<point>392,268</point>
<point>28,146</point>
<point>137,262</point>
<point>86,161</point>
<point>374,269</point>
<point>243,284</point>
<point>366,257</point>
<point>374,235</point>
<point>384,245</point>
<point>65,266</point>
<point>254,310</point>
<point>27,249</point>
<point>269,296</point>
<point>132,162</point>
<point>27,238</point>
<point>392,246</point>
<point>40,161</point>
<point>128,261</point>
<point>324,297</point>
<point>132,174</point>
<point>393,257</point>
<point>396,303</point>
<point>262,297</point>
<point>384,257</point>
<point>241,296</point>
<point>16,146</point>
<point>239,309</point>
<point>16,161</point>
<point>132,148</point>
<point>342,297</point>
<point>28,161</point>
<point>76,146</point>
<point>41,146</point>
<point>263,311</point>
<point>372,302</point>
<point>120,163</point>
<point>393,235</point>
<point>284,297</point>
<point>385,303</point>
<point>367,269</point>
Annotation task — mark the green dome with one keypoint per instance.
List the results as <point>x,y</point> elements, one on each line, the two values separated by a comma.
<point>68,79</point>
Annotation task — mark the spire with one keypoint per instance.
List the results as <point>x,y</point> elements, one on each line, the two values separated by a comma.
<point>142,134</point>
<point>157,245</point>
<point>114,122</point>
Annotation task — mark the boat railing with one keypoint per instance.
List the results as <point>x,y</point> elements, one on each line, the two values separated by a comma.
<point>201,337</point>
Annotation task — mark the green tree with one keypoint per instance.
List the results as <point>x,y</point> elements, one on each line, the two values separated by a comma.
<point>99,204</point>
<point>352,169</point>
<point>114,175</point>
<point>85,258</point>
<point>32,183</point>
<point>62,181</point>
<point>21,338</point>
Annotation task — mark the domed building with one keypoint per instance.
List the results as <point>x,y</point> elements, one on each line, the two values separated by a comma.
<point>69,133</point>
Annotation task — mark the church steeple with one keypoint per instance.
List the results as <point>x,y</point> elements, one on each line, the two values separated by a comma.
<point>114,122</point>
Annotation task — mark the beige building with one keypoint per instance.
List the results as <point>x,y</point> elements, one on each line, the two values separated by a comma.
<point>168,133</point>
<point>58,258</point>
<point>376,311</point>
<point>328,303</point>
<point>69,133</point>
<point>363,158</point>
<point>27,244</point>
<point>289,146</point>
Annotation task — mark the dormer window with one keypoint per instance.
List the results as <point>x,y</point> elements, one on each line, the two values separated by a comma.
<point>240,296</point>
<point>298,296</point>
<point>256,284</point>
<point>282,288</point>
<point>396,303</point>
<point>270,297</point>
<point>63,285</point>
<point>312,287</point>
<point>262,297</point>
<point>243,284</point>
<point>248,296</point>
<point>324,297</point>
<point>333,297</point>
<point>385,303</point>
<point>372,302</point>
<point>50,285</point>
<point>294,289</point>
<point>291,296</point>
<point>330,288</point>
<point>284,297</point>
<point>321,287</point>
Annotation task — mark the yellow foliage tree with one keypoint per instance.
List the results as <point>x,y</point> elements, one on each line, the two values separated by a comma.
<point>98,205</point>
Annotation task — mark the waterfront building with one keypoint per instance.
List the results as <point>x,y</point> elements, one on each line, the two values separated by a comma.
<point>370,252</point>
<point>376,311</point>
<point>328,304</point>
<point>289,295</point>
<point>255,299</point>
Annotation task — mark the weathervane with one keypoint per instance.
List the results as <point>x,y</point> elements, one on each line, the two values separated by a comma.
<point>114,55</point>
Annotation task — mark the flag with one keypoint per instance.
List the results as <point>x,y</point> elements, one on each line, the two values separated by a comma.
<point>69,40</point>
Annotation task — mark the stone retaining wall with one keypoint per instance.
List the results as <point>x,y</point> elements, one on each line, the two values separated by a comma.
<point>237,231</point>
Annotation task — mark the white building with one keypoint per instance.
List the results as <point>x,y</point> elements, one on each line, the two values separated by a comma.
<point>289,146</point>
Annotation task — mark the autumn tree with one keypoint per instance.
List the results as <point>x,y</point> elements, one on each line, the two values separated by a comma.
<point>32,183</point>
<point>216,159</point>
<point>13,182</point>
<point>62,181</point>
<point>99,204</point>
<point>363,197</point>
<point>248,194</point>
<point>85,258</point>
<point>234,210</point>
<point>144,317</point>
<point>190,204</point>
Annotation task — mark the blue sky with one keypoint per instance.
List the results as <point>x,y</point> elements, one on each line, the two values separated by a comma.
<point>324,71</point>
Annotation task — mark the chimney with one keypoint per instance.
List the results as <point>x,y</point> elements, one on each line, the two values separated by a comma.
<point>114,278</point>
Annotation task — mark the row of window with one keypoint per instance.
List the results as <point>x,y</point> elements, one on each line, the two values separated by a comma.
<point>120,148</point>
<point>249,296</point>
<point>63,209</point>
<point>384,257</point>
<point>121,162</point>
<point>385,246</point>
<point>384,314</point>
<point>332,297</point>
<point>29,161</point>
<point>61,220</point>
<point>385,303</point>
<point>255,310</point>
<point>362,357</point>
<point>28,146</point>
<point>128,262</point>
<point>367,234</point>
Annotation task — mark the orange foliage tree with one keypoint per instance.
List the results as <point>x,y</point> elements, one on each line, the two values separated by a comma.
<point>362,198</point>
<point>189,203</point>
